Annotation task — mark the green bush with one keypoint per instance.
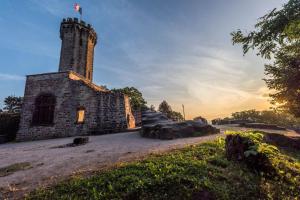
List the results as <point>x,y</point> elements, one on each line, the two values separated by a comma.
<point>9,125</point>
<point>267,160</point>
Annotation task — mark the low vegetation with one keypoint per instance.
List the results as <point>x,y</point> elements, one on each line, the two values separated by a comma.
<point>196,172</point>
<point>5,171</point>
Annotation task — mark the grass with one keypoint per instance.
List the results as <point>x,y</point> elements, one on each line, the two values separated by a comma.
<point>5,171</point>
<point>196,172</point>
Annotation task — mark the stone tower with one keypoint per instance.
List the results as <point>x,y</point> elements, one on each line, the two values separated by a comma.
<point>77,48</point>
<point>68,103</point>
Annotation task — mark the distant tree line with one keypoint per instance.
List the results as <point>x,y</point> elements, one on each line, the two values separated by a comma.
<point>266,116</point>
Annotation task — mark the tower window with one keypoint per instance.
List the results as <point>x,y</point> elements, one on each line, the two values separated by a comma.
<point>44,110</point>
<point>80,115</point>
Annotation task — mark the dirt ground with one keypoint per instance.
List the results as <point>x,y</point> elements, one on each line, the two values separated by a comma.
<point>50,164</point>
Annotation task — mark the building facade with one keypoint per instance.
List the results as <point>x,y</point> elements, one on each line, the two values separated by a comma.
<point>67,102</point>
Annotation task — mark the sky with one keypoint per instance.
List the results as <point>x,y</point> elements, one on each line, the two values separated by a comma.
<point>174,50</point>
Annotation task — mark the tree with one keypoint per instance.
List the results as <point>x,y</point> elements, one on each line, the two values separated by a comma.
<point>104,87</point>
<point>164,107</point>
<point>13,104</point>
<point>152,108</point>
<point>202,119</point>
<point>175,116</point>
<point>268,117</point>
<point>277,36</point>
<point>135,96</point>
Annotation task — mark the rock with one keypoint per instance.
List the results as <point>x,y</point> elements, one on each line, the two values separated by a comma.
<point>282,140</point>
<point>262,126</point>
<point>157,125</point>
<point>80,140</point>
<point>152,117</point>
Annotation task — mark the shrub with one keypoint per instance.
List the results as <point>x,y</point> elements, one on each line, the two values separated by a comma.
<point>250,148</point>
<point>9,125</point>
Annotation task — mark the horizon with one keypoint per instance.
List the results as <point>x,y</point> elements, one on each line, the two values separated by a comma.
<point>170,50</point>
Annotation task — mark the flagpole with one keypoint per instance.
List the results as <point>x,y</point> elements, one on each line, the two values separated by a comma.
<point>80,12</point>
<point>183,111</point>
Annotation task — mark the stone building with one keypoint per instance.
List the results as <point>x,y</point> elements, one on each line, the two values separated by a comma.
<point>67,102</point>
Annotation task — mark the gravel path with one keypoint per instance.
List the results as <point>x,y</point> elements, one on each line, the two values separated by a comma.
<point>50,164</point>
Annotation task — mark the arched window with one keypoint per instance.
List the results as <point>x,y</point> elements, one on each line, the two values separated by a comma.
<point>44,110</point>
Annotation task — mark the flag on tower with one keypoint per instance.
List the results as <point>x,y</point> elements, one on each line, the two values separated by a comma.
<point>78,8</point>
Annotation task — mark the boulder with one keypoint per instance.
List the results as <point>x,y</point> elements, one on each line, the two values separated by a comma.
<point>80,141</point>
<point>152,117</point>
<point>157,125</point>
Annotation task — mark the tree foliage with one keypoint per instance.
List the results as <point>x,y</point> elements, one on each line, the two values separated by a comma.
<point>202,119</point>
<point>277,36</point>
<point>135,96</point>
<point>268,117</point>
<point>9,125</point>
<point>166,109</point>
<point>152,108</point>
<point>176,116</point>
<point>251,115</point>
<point>13,104</point>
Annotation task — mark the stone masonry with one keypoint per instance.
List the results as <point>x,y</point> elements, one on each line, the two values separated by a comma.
<point>71,89</point>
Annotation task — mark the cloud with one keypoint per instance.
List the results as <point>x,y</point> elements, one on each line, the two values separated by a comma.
<point>212,83</point>
<point>11,77</point>
<point>56,8</point>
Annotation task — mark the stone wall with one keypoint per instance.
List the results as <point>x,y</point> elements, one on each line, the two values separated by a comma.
<point>129,113</point>
<point>104,111</point>
<point>138,117</point>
